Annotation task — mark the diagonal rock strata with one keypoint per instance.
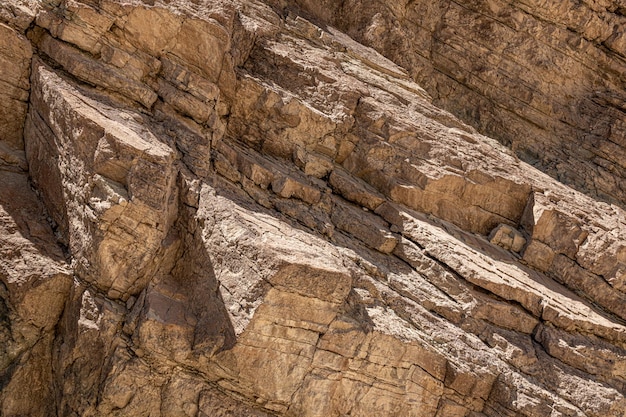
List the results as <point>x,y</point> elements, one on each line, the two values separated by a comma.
<point>261,216</point>
<point>546,78</point>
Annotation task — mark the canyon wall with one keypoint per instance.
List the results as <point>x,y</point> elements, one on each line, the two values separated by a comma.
<point>232,208</point>
<point>546,78</point>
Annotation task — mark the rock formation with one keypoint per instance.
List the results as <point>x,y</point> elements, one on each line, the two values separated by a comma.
<point>544,77</point>
<point>233,208</point>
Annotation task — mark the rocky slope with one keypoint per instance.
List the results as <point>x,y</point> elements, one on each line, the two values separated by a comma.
<point>234,209</point>
<point>544,77</point>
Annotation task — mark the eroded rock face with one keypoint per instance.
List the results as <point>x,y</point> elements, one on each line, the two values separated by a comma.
<point>544,77</point>
<point>15,57</point>
<point>35,282</point>
<point>250,214</point>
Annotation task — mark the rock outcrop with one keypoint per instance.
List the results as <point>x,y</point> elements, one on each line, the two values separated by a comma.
<point>544,77</point>
<point>231,208</point>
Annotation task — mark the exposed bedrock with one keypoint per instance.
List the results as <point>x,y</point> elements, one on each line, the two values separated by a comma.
<point>215,209</point>
<point>545,78</point>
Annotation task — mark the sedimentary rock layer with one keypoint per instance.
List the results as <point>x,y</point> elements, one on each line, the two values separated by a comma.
<point>546,78</point>
<point>248,213</point>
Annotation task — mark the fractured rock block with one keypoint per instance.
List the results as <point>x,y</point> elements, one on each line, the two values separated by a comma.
<point>367,227</point>
<point>246,164</point>
<point>327,285</point>
<point>539,255</point>
<point>202,44</point>
<point>96,72</point>
<point>287,187</point>
<point>82,25</point>
<point>508,238</point>
<point>185,103</point>
<point>558,230</point>
<point>126,217</point>
<point>355,191</point>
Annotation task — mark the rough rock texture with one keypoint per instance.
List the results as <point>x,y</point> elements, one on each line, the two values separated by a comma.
<point>35,282</point>
<point>15,57</point>
<point>235,211</point>
<point>547,78</point>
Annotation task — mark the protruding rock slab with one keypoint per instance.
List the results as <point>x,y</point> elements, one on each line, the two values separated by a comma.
<point>271,216</point>
<point>110,187</point>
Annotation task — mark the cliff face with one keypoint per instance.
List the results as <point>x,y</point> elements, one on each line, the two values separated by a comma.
<point>544,77</point>
<point>233,208</point>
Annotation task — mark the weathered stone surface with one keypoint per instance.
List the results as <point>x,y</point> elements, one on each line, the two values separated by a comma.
<point>112,182</point>
<point>19,14</point>
<point>545,78</point>
<point>251,214</point>
<point>365,227</point>
<point>94,72</point>
<point>15,55</point>
<point>354,190</point>
<point>507,237</point>
<point>34,283</point>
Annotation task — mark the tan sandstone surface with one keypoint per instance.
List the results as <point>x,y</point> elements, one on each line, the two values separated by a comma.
<point>544,77</point>
<point>231,208</point>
